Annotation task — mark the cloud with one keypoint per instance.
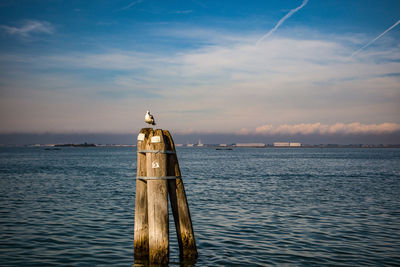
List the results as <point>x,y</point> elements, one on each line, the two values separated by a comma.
<point>282,20</point>
<point>284,81</point>
<point>29,27</point>
<point>354,128</point>
<point>372,41</point>
<point>188,11</point>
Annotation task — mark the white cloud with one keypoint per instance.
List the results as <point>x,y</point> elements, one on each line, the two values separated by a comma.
<point>188,11</point>
<point>29,27</point>
<point>281,81</point>
<point>324,129</point>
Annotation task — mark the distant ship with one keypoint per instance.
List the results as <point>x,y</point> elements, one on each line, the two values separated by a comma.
<point>200,144</point>
<point>189,145</point>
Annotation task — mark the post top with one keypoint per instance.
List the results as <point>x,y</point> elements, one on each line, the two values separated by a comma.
<point>150,136</point>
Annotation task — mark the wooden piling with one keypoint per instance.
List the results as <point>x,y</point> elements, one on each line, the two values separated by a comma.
<point>179,205</point>
<point>158,175</point>
<point>157,199</point>
<point>141,237</point>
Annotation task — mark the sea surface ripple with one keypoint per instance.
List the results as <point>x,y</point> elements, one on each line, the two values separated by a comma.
<point>249,207</point>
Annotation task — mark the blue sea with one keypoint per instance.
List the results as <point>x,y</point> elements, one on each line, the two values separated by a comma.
<point>249,206</point>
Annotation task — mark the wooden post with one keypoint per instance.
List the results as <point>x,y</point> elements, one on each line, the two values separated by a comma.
<point>141,237</point>
<point>158,175</point>
<point>179,205</point>
<point>157,199</point>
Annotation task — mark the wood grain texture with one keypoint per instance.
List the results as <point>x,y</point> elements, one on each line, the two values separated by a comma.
<point>179,205</point>
<point>141,235</point>
<point>157,199</point>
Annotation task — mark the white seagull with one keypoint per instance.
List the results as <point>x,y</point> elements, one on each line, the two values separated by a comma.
<point>148,118</point>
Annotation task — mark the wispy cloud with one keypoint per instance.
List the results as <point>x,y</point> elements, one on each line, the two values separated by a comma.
<point>372,41</point>
<point>354,128</point>
<point>282,20</point>
<point>182,11</point>
<point>284,81</point>
<point>29,27</point>
<point>132,4</point>
<point>200,4</point>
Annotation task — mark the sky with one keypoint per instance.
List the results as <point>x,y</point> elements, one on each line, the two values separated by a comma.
<point>293,69</point>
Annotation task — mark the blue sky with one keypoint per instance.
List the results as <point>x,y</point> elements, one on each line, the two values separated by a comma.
<point>200,66</point>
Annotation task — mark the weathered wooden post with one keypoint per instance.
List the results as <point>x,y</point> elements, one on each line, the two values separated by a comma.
<point>141,237</point>
<point>157,198</point>
<point>179,205</point>
<point>159,174</point>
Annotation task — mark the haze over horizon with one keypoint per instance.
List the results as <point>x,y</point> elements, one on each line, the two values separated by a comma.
<point>256,70</point>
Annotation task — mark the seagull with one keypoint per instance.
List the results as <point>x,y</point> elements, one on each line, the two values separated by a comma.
<point>148,118</point>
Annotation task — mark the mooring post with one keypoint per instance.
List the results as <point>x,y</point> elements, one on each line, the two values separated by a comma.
<point>179,205</point>
<point>157,198</point>
<point>158,175</point>
<point>141,236</point>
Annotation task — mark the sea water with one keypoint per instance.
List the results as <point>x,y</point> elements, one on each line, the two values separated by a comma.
<point>249,206</point>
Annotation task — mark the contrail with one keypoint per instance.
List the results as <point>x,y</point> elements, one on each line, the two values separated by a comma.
<point>282,20</point>
<point>132,4</point>
<point>379,36</point>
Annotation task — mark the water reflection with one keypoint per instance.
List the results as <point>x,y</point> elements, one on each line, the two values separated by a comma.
<point>181,263</point>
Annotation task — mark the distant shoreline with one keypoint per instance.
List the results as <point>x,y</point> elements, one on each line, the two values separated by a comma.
<point>215,146</point>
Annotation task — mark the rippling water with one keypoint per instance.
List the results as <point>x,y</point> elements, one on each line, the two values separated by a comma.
<point>250,207</point>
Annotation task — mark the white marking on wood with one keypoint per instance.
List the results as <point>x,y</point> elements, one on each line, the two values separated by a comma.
<point>155,165</point>
<point>156,139</point>
<point>141,137</point>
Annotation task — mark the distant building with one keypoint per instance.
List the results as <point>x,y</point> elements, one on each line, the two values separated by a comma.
<point>295,144</point>
<point>250,145</point>
<point>287,144</point>
<point>280,144</point>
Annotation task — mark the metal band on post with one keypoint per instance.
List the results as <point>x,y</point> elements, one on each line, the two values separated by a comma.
<point>158,178</point>
<point>157,151</point>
